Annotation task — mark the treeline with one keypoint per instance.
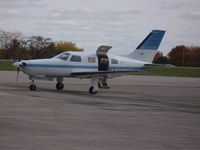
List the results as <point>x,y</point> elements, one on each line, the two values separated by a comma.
<point>14,45</point>
<point>180,56</point>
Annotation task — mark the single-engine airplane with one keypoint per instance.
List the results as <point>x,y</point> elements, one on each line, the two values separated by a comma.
<point>98,66</point>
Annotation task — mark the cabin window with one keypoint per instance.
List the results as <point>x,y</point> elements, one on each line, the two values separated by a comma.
<point>76,58</point>
<point>91,59</point>
<point>114,61</point>
<point>64,56</point>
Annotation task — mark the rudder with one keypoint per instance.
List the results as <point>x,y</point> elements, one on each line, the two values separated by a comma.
<point>148,47</point>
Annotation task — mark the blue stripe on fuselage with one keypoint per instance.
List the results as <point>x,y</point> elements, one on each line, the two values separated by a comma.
<point>134,69</point>
<point>116,68</point>
<point>61,66</point>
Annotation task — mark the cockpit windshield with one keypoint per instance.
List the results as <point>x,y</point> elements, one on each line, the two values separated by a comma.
<point>63,56</point>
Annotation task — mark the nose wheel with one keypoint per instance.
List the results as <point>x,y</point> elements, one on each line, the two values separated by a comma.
<point>32,87</point>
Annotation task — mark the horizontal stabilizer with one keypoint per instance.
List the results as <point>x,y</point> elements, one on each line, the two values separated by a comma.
<point>159,65</point>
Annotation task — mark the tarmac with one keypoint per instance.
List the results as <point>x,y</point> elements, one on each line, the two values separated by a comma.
<point>137,112</point>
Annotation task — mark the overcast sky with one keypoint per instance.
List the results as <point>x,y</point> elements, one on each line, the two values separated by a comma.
<point>123,24</point>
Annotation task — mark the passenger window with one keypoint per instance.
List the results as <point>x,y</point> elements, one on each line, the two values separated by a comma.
<point>114,61</point>
<point>91,59</point>
<point>75,58</point>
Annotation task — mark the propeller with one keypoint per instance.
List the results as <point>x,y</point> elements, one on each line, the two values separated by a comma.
<point>19,59</point>
<point>17,74</point>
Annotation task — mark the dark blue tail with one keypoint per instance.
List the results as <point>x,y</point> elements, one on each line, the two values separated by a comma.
<point>152,41</point>
<point>149,46</point>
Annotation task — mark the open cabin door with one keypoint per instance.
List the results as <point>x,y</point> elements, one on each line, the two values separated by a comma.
<point>103,60</point>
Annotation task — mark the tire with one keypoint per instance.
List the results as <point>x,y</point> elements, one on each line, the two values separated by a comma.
<point>91,90</point>
<point>59,86</point>
<point>32,87</point>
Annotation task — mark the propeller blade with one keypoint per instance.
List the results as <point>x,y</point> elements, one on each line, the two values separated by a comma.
<point>19,59</point>
<point>17,74</point>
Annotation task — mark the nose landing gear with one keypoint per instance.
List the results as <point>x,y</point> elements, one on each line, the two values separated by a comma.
<point>32,87</point>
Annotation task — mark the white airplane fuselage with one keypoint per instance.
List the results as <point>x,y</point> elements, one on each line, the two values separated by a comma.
<point>56,67</point>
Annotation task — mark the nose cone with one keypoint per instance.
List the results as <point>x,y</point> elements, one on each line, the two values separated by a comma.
<point>16,64</point>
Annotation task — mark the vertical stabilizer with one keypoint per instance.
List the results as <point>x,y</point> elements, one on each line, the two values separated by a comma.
<point>148,47</point>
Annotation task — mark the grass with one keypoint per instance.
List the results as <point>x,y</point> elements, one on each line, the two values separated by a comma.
<point>6,65</point>
<point>171,71</point>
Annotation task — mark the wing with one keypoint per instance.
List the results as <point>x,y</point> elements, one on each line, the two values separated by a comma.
<point>108,74</point>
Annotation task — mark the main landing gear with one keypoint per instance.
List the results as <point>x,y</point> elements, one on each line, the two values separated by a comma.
<point>103,84</point>
<point>32,87</point>
<point>98,83</point>
<point>92,90</point>
<point>94,86</point>
<point>59,85</point>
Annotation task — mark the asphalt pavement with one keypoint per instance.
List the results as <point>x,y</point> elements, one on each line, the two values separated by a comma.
<point>137,112</point>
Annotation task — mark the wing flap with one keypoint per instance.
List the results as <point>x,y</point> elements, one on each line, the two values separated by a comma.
<point>109,74</point>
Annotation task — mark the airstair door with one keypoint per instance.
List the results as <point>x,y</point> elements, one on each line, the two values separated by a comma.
<point>103,61</point>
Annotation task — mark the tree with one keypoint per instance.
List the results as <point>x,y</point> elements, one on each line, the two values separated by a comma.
<point>15,50</point>
<point>66,46</point>
<point>2,53</point>
<point>40,47</point>
<point>177,55</point>
<point>7,37</point>
<point>185,56</point>
<point>12,49</point>
<point>160,59</point>
<point>196,56</point>
<point>14,46</point>
<point>11,44</point>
